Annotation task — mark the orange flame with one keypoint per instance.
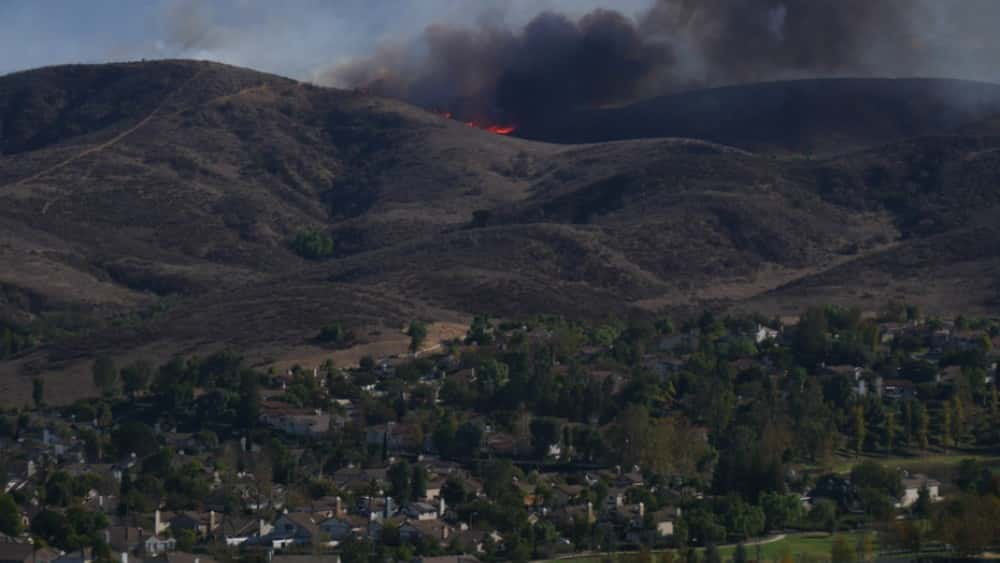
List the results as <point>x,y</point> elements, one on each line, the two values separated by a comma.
<point>497,129</point>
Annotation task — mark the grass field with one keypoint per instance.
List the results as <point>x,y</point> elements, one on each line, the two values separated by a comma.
<point>934,464</point>
<point>815,546</point>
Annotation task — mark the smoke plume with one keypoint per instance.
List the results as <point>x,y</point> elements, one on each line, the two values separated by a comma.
<point>605,57</point>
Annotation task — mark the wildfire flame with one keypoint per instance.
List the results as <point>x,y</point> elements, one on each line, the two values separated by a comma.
<point>495,128</point>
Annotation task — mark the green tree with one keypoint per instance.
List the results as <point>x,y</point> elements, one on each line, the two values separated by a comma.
<point>400,486</point>
<point>38,392</point>
<point>923,427</point>
<point>908,422</point>
<point>186,540</point>
<point>10,517</point>
<point>946,425</point>
<point>105,375</point>
<point>712,554</point>
<point>842,551</point>
<point>332,333</point>
<point>866,547</point>
<point>957,420</point>
<point>136,376</point>
<point>418,483</point>
<point>780,509</point>
<point>418,334</point>
<point>859,428</point>
<point>313,245</point>
<point>994,405</point>
<point>249,406</point>
<point>740,555</point>
<point>890,431</point>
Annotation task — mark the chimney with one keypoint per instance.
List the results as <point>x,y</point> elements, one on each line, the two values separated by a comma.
<point>340,507</point>
<point>642,509</point>
<point>441,507</point>
<point>211,522</point>
<point>590,513</point>
<point>387,511</point>
<point>157,523</point>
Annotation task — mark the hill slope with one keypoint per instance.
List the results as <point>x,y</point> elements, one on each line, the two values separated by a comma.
<point>816,116</point>
<point>148,208</point>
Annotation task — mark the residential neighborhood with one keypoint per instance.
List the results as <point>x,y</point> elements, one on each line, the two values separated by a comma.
<point>525,441</point>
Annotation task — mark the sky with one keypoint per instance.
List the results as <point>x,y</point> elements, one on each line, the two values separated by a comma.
<point>289,37</point>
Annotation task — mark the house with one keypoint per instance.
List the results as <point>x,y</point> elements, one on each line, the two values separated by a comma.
<point>899,389</point>
<point>341,527</point>
<point>25,553</point>
<point>433,490</point>
<point>328,558</point>
<point>295,528</point>
<point>911,490</point>
<point>236,530</point>
<point>663,521</point>
<point>85,555</point>
<point>202,524</point>
<point>447,559</point>
<point>326,507</point>
<point>360,480</point>
<point>156,545</point>
<point>425,511</point>
<point>475,541</point>
<point>762,333</point>
<point>123,539</point>
<point>292,420</point>
<point>180,557</point>
<point>432,530</point>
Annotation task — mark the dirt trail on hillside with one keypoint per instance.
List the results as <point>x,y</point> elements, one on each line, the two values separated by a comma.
<point>110,143</point>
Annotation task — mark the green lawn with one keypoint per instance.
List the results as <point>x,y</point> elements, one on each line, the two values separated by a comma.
<point>931,463</point>
<point>816,546</point>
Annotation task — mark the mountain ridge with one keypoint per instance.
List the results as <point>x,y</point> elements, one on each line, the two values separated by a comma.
<point>164,222</point>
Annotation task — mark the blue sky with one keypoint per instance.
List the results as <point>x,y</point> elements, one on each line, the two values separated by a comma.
<point>290,37</point>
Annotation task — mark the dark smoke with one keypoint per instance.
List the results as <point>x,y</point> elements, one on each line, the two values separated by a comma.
<point>504,76</point>
<point>607,58</point>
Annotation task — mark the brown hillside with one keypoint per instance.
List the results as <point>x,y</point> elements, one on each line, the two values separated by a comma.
<point>149,208</point>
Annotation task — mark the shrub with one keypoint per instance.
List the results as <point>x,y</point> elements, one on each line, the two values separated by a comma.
<point>313,245</point>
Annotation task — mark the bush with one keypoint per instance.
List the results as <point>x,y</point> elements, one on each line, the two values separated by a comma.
<point>313,245</point>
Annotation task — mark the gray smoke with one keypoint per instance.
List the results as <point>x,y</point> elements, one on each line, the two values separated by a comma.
<point>605,57</point>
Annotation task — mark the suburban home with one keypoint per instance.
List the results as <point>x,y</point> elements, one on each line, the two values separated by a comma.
<point>180,557</point>
<point>328,558</point>
<point>425,511</point>
<point>156,545</point>
<point>236,530</point>
<point>475,541</point>
<point>292,420</point>
<point>295,528</point>
<point>899,389</point>
<point>433,530</point>
<point>26,553</point>
<point>433,490</point>
<point>201,523</point>
<point>123,539</point>
<point>664,521</point>
<point>344,526</point>
<point>911,490</point>
<point>447,559</point>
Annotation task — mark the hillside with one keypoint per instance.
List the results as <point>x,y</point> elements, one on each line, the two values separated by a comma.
<point>816,116</point>
<point>149,209</point>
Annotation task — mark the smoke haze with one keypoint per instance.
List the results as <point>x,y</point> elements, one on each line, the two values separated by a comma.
<point>500,73</point>
<point>505,60</point>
